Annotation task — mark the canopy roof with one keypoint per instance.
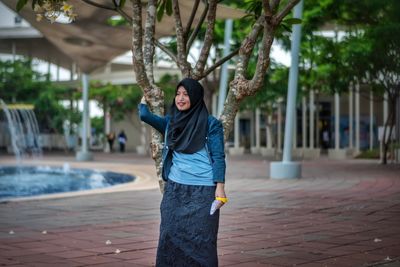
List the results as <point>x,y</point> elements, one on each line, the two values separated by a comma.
<point>89,41</point>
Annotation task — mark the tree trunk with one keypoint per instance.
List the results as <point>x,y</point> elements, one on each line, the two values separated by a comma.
<point>388,127</point>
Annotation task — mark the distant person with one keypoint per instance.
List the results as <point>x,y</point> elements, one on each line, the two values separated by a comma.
<point>122,141</point>
<point>110,140</point>
<point>325,139</point>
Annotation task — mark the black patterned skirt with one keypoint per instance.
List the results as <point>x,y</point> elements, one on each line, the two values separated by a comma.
<point>188,233</point>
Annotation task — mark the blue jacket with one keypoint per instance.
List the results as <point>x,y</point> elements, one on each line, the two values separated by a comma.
<point>214,143</point>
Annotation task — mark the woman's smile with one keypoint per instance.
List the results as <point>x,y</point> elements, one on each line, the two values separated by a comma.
<point>182,100</point>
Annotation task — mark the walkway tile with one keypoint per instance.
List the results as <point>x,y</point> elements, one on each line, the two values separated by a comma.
<point>341,213</point>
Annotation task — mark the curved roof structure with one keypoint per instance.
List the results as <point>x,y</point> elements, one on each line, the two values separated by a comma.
<point>89,41</point>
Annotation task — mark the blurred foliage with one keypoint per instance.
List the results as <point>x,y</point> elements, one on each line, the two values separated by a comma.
<point>369,154</point>
<point>124,99</point>
<point>97,123</point>
<point>19,83</point>
<point>120,99</point>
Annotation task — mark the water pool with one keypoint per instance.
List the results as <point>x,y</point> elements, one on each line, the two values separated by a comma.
<point>32,181</point>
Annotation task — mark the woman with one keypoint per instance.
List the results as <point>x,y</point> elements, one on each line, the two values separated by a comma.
<point>110,139</point>
<point>193,163</point>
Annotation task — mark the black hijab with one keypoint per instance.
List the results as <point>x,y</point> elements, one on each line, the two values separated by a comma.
<point>188,129</point>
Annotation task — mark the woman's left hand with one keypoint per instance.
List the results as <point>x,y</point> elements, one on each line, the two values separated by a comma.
<point>220,192</point>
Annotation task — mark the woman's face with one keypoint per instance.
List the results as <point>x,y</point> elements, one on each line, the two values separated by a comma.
<point>182,100</point>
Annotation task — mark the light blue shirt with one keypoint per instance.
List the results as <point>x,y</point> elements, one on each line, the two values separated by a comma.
<point>191,169</point>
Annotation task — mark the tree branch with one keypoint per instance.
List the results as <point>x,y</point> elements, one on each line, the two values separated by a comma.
<point>198,27</point>
<point>148,39</point>
<point>274,5</point>
<point>116,8</point>
<point>263,57</point>
<point>219,63</point>
<point>189,24</point>
<point>247,46</point>
<point>208,39</point>
<point>285,11</point>
<point>137,37</point>
<point>124,15</point>
<point>166,50</point>
<point>90,2</point>
<point>180,40</point>
<point>267,8</point>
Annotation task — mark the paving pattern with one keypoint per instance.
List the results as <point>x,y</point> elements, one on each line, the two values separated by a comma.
<point>340,213</point>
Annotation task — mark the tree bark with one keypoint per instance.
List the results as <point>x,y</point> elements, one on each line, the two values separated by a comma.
<point>154,96</point>
<point>389,125</point>
<point>183,64</point>
<point>208,40</point>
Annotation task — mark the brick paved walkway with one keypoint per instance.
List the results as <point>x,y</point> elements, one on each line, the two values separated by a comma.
<point>341,213</point>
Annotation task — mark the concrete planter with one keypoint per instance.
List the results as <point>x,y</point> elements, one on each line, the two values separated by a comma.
<point>337,153</point>
<point>267,152</point>
<point>255,150</point>
<point>236,151</point>
<point>306,153</point>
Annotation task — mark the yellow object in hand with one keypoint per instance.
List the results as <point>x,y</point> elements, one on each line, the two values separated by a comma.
<point>222,199</point>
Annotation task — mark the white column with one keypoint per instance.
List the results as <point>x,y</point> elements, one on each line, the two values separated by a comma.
<point>337,152</point>
<point>236,131</point>
<point>252,129</point>
<point>304,121</point>
<point>351,131</point>
<point>223,83</point>
<point>279,126</point>
<point>58,72</point>
<point>317,124</point>
<point>214,105</point>
<point>268,131</point>
<point>286,169</point>
<point>237,149</point>
<point>84,155</point>
<point>73,71</point>
<point>108,121</point>
<point>312,125</point>
<point>85,117</point>
<point>143,139</point>
<point>107,128</point>
<point>357,119</point>
<point>48,69</point>
<point>14,51</point>
<point>337,120</point>
<point>107,68</point>
<point>295,129</point>
<point>143,134</point>
<point>371,120</point>
<point>258,128</point>
<point>385,108</point>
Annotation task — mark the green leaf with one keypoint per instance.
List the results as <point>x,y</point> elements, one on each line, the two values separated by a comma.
<point>122,3</point>
<point>21,4</point>
<point>160,11</point>
<point>169,7</point>
<point>292,21</point>
<point>286,27</point>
